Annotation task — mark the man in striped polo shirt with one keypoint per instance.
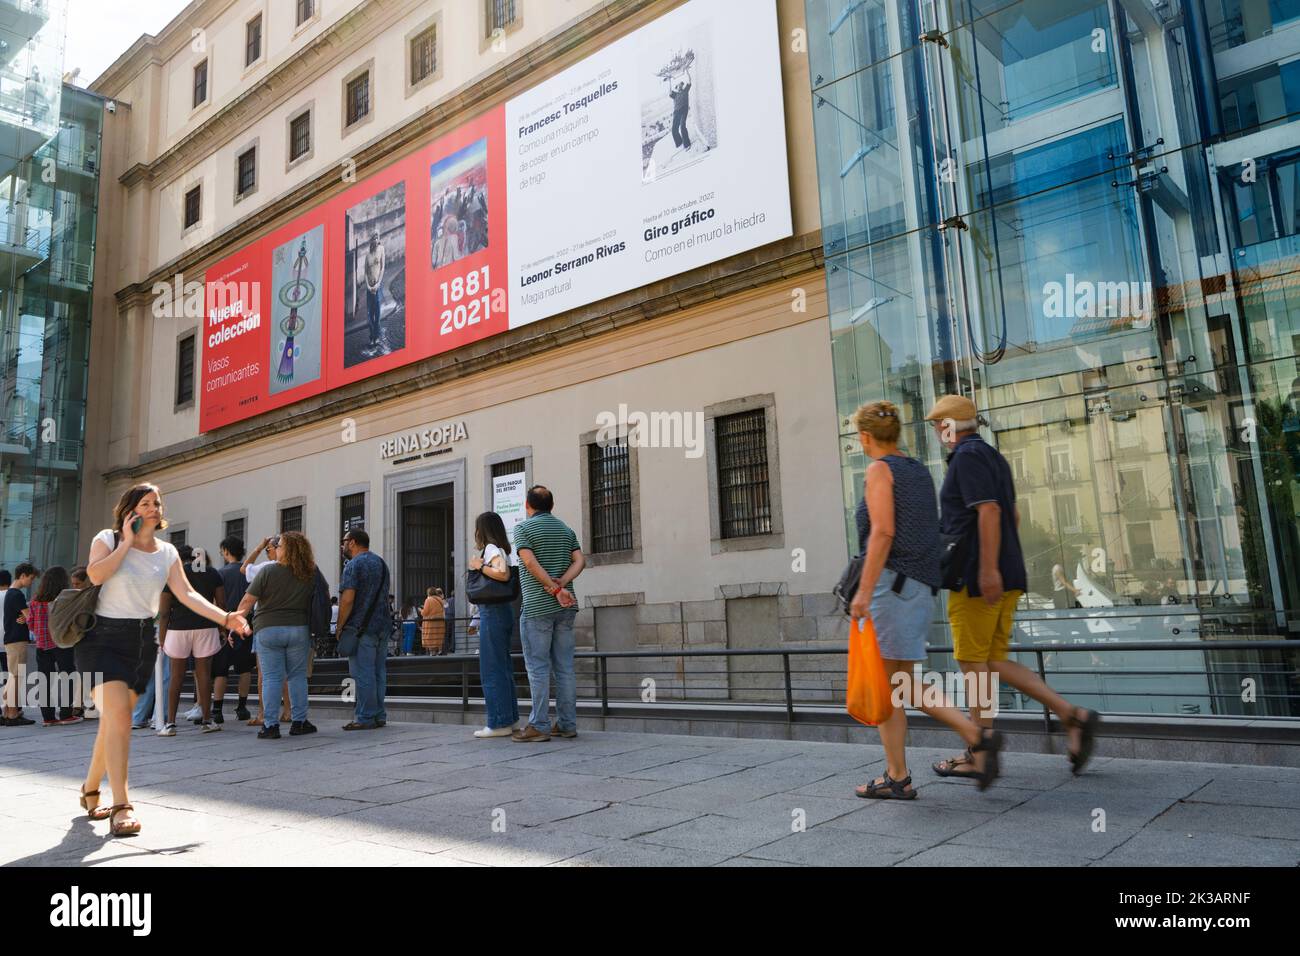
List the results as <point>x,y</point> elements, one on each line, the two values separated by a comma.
<point>548,550</point>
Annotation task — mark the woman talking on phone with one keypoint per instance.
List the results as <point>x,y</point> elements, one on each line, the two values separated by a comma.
<point>132,566</point>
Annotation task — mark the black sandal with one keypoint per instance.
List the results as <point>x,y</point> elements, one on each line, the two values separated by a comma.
<point>887,789</point>
<point>990,744</point>
<point>1087,739</point>
<point>962,759</point>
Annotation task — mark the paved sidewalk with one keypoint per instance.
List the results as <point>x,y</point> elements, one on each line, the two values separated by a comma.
<point>431,795</point>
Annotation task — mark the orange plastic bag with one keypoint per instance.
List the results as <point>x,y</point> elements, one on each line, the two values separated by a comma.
<point>869,691</point>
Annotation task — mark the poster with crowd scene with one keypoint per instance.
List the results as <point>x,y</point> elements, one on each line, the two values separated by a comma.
<point>660,153</point>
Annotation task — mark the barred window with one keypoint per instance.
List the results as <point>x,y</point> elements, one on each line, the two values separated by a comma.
<point>235,528</point>
<point>352,517</point>
<point>299,136</point>
<point>500,14</point>
<point>512,467</point>
<point>291,519</point>
<point>424,61</point>
<point>185,371</point>
<point>609,477</point>
<point>179,538</point>
<point>358,98</point>
<point>744,499</point>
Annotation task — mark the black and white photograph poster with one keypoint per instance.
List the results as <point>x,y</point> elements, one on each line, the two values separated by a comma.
<point>374,290</point>
<point>679,116</point>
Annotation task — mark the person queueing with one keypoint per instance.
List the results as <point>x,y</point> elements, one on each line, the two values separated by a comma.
<point>433,628</point>
<point>17,639</point>
<point>898,531</point>
<point>251,567</point>
<point>362,606</point>
<point>978,513</point>
<point>182,634</point>
<point>550,559</point>
<point>283,594</point>
<point>55,663</point>
<point>496,628</point>
<point>236,652</point>
<point>79,582</point>
<point>132,566</point>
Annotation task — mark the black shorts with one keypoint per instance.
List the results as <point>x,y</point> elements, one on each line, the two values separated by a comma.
<point>240,657</point>
<point>118,649</point>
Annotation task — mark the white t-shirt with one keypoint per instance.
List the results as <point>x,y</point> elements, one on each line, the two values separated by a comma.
<point>137,584</point>
<point>254,568</point>
<point>491,551</point>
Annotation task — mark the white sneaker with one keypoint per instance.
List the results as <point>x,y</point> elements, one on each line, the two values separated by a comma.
<point>211,727</point>
<point>195,712</point>
<point>169,730</point>
<point>498,732</point>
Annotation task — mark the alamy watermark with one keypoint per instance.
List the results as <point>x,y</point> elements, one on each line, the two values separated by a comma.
<point>943,688</point>
<point>656,429</point>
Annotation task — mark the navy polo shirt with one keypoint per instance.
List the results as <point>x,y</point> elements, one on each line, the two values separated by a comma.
<point>977,473</point>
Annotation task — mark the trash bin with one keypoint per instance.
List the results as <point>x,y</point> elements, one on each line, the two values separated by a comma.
<point>410,635</point>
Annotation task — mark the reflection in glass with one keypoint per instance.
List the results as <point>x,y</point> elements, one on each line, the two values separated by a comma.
<point>1030,57</point>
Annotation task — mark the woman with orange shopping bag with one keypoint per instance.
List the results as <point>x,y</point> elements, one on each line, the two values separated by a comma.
<point>898,536</point>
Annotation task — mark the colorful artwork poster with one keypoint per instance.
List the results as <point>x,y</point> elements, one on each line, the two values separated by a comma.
<point>297,317</point>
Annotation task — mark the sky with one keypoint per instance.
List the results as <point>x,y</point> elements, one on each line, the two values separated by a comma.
<point>99,32</point>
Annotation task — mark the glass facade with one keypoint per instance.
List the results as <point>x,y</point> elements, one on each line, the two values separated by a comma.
<point>49,175</point>
<point>1085,214</point>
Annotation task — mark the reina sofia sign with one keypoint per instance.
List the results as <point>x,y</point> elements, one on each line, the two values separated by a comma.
<point>438,436</point>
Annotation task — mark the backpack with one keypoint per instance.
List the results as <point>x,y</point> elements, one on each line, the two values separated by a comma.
<point>319,612</point>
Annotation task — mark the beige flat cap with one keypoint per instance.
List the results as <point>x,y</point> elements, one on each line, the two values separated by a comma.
<point>957,407</point>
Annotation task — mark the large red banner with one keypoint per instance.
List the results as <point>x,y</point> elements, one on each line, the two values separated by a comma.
<point>406,263</point>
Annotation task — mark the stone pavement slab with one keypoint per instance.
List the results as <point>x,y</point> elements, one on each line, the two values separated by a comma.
<point>431,795</point>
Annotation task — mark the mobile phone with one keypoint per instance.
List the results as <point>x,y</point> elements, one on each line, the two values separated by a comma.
<point>135,525</point>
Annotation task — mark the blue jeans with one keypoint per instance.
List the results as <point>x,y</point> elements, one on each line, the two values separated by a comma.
<point>369,669</point>
<point>282,654</point>
<point>143,713</point>
<point>548,654</point>
<point>496,625</point>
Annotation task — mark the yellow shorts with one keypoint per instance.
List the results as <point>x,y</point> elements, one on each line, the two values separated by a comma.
<point>980,631</point>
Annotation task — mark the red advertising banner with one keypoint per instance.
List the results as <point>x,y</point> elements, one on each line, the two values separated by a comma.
<point>407,263</point>
<point>659,153</point>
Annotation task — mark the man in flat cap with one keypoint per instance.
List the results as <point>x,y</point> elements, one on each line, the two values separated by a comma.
<point>984,570</point>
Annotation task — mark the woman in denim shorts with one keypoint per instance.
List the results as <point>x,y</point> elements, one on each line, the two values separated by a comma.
<point>898,531</point>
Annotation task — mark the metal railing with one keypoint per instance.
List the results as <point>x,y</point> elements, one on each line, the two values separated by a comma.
<point>794,679</point>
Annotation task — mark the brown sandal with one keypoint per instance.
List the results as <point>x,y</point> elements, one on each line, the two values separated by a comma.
<point>96,812</point>
<point>951,766</point>
<point>122,829</point>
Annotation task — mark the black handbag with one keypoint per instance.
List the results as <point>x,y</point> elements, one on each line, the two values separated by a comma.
<point>849,581</point>
<point>481,589</point>
<point>954,555</point>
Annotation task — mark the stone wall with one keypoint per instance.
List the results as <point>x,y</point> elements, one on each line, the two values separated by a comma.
<point>758,615</point>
